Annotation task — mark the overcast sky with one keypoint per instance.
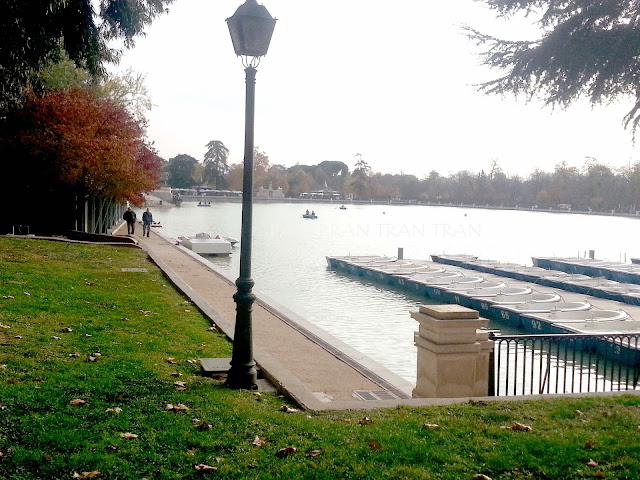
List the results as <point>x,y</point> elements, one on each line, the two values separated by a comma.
<point>392,81</point>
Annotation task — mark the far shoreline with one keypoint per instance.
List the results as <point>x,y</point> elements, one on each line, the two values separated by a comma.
<point>321,201</point>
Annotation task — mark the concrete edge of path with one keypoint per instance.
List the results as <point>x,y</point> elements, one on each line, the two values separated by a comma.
<point>280,377</point>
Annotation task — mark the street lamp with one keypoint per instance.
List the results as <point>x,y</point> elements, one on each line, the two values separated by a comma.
<point>251,28</point>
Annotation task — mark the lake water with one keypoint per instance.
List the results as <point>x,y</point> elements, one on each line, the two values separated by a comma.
<point>288,262</point>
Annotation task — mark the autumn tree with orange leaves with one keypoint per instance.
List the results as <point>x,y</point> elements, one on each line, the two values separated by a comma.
<point>67,146</point>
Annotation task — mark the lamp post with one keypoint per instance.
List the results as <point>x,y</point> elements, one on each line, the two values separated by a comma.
<point>251,28</point>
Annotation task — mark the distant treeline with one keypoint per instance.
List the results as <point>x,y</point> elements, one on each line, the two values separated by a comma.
<point>595,187</point>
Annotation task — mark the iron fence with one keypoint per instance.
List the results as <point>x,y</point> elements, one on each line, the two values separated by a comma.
<point>563,363</point>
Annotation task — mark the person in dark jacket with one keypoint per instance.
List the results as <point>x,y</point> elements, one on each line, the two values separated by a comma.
<point>147,220</point>
<point>130,217</point>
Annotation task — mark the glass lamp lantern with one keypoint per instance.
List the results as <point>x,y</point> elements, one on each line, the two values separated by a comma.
<point>251,28</point>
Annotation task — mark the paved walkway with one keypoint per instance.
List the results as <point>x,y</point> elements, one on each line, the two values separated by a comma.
<point>317,370</point>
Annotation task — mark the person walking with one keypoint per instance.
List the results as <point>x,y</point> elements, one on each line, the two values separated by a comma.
<point>147,220</point>
<point>130,217</point>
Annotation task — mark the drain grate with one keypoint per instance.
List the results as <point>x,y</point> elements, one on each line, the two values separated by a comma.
<point>373,395</point>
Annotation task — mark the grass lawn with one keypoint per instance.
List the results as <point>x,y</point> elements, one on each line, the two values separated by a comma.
<point>89,352</point>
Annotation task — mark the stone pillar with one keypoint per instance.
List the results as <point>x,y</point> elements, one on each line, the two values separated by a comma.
<point>453,355</point>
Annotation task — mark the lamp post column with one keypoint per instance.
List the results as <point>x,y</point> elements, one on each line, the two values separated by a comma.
<point>242,373</point>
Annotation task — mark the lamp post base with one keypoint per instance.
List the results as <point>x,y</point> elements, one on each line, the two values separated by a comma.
<point>243,374</point>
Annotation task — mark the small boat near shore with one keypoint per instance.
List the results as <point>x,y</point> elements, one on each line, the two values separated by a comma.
<point>309,215</point>
<point>204,244</point>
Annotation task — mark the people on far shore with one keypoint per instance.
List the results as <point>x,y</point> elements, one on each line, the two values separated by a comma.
<point>130,217</point>
<point>147,220</point>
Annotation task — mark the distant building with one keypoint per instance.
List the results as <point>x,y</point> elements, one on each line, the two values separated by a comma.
<point>270,192</point>
<point>325,194</point>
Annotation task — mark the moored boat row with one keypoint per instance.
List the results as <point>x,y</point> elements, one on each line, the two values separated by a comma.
<point>618,271</point>
<point>572,282</point>
<point>518,305</point>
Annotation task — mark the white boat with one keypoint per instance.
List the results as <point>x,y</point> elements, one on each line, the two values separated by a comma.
<point>203,244</point>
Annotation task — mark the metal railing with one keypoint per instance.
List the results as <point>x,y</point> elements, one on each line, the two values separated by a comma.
<point>563,363</point>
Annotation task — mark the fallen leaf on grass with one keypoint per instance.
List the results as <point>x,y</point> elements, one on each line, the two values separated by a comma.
<point>177,407</point>
<point>285,452</point>
<point>129,435</point>
<point>258,441</point>
<point>431,426</point>
<point>114,410</point>
<point>202,425</point>
<point>77,402</point>
<point>375,446</point>
<point>94,474</point>
<point>480,476</point>
<point>592,463</point>
<point>518,427</point>
<point>203,467</point>
<point>314,453</point>
<point>288,409</point>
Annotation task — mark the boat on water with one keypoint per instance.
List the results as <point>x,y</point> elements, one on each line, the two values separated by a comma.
<point>342,207</point>
<point>203,204</point>
<point>204,244</point>
<point>309,215</point>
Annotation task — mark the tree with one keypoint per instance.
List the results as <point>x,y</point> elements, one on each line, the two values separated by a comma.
<point>182,169</point>
<point>67,146</point>
<point>215,163</point>
<point>360,176</point>
<point>587,48</point>
<point>35,33</point>
<point>299,181</point>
